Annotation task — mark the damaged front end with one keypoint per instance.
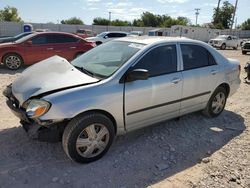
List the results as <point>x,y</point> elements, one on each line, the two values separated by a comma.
<point>48,131</point>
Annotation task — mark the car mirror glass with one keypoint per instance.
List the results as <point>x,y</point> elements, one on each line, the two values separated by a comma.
<point>137,74</point>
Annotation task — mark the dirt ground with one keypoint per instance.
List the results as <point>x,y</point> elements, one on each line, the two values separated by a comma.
<point>193,152</point>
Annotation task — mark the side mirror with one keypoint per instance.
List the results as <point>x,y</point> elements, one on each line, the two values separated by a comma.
<point>105,37</point>
<point>137,74</point>
<point>29,42</point>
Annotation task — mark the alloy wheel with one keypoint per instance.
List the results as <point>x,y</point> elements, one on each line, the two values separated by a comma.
<point>218,102</point>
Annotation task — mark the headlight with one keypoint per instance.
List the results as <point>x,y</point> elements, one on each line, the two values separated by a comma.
<point>36,108</point>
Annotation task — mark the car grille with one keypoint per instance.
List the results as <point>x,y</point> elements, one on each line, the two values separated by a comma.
<point>247,46</point>
<point>216,42</point>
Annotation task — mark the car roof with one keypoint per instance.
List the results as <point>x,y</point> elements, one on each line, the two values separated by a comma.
<point>152,39</point>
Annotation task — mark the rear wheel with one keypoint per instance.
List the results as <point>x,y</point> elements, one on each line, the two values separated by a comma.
<point>78,54</point>
<point>216,103</point>
<point>12,61</point>
<point>235,48</point>
<point>244,52</point>
<point>223,46</point>
<point>98,43</point>
<point>88,137</point>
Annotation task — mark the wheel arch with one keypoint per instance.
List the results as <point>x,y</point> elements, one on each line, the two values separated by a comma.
<point>16,53</point>
<point>110,116</point>
<point>226,86</point>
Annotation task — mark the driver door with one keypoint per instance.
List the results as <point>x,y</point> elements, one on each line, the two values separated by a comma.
<point>157,98</point>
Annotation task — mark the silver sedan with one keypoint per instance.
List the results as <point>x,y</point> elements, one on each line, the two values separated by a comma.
<point>118,87</point>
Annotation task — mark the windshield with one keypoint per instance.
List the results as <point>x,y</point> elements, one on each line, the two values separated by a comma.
<point>25,38</point>
<point>101,35</point>
<point>222,37</point>
<point>21,35</point>
<point>107,58</point>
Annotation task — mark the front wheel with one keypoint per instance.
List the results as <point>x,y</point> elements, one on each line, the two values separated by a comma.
<point>244,52</point>
<point>216,103</point>
<point>223,46</point>
<point>12,61</point>
<point>88,137</point>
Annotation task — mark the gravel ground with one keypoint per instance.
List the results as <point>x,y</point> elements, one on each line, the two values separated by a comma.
<point>192,152</point>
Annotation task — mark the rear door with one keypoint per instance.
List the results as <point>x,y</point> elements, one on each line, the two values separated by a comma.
<point>200,72</point>
<point>65,46</point>
<point>157,98</point>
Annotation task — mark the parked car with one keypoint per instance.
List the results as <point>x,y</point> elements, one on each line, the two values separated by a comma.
<point>245,47</point>
<point>225,41</point>
<point>118,87</point>
<point>85,33</point>
<point>38,46</point>
<point>136,33</point>
<point>14,38</point>
<point>107,36</point>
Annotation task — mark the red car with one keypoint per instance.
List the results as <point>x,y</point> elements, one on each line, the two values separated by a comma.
<point>39,46</point>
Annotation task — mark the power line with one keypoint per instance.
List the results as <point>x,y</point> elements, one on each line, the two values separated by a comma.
<point>197,14</point>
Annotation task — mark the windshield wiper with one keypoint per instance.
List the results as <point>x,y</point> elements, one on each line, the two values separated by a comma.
<point>85,71</point>
<point>88,72</point>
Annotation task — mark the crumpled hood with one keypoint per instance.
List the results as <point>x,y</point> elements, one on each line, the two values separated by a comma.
<point>51,74</point>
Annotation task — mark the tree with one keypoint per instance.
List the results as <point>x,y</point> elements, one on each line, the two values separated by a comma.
<point>246,25</point>
<point>100,21</point>
<point>222,17</point>
<point>118,22</point>
<point>73,21</point>
<point>10,14</point>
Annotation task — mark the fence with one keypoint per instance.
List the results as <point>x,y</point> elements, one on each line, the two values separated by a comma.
<point>204,34</point>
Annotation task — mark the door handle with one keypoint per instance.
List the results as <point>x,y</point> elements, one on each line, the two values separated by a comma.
<point>214,72</point>
<point>175,80</point>
<point>50,48</point>
<point>73,47</point>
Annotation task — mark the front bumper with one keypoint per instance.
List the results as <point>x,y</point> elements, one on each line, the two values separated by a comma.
<point>52,133</point>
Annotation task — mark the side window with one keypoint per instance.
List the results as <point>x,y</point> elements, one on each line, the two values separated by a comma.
<point>195,57</point>
<point>121,35</point>
<point>161,60</point>
<point>41,39</point>
<point>211,59</point>
<point>111,35</point>
<point>62,39</point>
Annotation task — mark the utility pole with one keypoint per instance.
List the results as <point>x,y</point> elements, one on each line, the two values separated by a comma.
<point>217,11</point>
<point>197,14</point>
<point>235,7</point>
<point>109,18</point>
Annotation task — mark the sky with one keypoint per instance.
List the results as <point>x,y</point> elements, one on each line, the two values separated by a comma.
<point>43,11</point>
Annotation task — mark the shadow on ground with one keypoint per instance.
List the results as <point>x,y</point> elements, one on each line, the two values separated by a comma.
<point>138,159</point>
<point>4,70</point>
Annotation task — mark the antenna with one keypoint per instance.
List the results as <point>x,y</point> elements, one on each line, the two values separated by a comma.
<point>197,14</point>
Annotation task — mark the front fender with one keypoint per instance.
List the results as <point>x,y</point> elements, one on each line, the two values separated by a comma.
<point>69,103</point>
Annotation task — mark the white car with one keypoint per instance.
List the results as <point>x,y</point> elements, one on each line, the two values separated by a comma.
<point>106,36</point>
<point>224,41</point>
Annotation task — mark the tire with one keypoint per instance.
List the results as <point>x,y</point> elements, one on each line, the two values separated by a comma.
<point>244,52</point>
<point>88,137</point>
<point>98,43</point>
<point>78,55</point>
<point>222,94</point>
<point>235,48</point>
<point>223,46</point>
<point>13,61</point>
